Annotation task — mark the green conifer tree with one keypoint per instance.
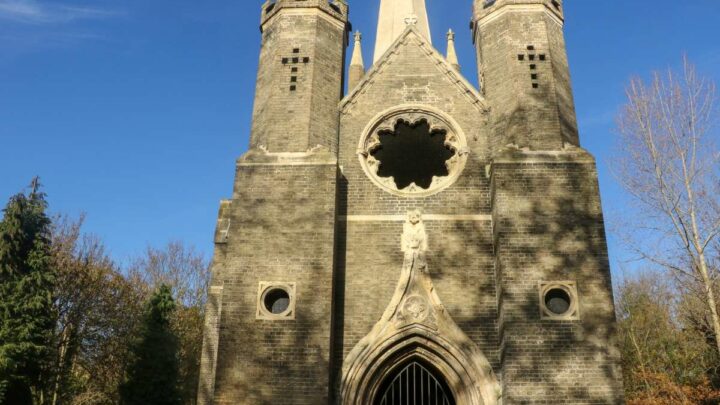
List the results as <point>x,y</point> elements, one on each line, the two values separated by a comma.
<point>152,377</point>
<point>26,302</point>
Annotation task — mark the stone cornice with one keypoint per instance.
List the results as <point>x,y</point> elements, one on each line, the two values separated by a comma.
<point>509,8</point>
<point>260,156</point>
<point>569,154</point>
<point>305,11</point>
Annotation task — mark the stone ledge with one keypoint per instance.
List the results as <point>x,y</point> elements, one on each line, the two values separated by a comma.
<point>514,155</point>
<point>261,156</point>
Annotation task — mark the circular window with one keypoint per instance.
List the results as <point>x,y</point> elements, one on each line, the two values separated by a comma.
<point>413,152</point>
<point>277,301</point>
<point>558,301</point>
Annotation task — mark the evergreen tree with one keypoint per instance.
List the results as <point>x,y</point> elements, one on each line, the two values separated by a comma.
<point>152,377</point>
<point>26,303</point>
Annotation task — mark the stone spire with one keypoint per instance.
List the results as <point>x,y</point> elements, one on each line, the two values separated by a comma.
<point>357,65</point>
<point>395,15</point>
<point>451,56</point>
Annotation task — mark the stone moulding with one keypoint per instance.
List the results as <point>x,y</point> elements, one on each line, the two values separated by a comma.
<point>261,156</point>
<point>412,114</point>
<point>265,287</point>
<point>453,76</point>
<point>570,288</point>
<point>416,325</point>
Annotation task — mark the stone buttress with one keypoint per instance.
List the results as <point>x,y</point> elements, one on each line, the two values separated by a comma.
<point>275,240</point>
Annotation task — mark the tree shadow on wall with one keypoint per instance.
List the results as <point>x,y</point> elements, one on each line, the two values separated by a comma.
<point>282,361</point>
<point>563,238</point>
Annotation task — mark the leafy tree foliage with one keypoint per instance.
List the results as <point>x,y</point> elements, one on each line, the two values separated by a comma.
<point>97,313</point>
<point>665,359</point>
<point>26,287</point>
<point>152,377</point>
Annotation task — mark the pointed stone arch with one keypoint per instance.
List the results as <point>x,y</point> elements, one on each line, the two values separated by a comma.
<point>468,375</point>
<point>417,325</point>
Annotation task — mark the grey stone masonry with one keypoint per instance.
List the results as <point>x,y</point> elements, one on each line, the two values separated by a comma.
<point>300,75</point>
<point>524,72</point>
<point>548,227</point>
<point>488,268</point>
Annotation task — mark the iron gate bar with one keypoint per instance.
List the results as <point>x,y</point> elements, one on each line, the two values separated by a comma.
<point>412,385</point>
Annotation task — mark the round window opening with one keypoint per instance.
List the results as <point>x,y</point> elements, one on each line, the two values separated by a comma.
<point>558,301</point>
<point>277,301</point>
<point>413,152</point>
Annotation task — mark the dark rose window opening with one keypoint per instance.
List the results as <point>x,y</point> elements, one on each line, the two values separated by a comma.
<point>412,153</point>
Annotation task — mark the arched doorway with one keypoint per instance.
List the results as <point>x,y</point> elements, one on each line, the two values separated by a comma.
<point>414,383</point>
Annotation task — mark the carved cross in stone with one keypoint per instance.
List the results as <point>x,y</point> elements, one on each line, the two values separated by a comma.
<point>295,63</point>
<point>533,58</point>
<point>411,19</point>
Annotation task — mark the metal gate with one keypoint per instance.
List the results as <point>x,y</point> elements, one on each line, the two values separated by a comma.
<point>414,384</point>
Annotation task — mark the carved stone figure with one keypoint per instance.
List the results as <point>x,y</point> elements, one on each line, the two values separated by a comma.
<point>416,312</point>
<point>414,237</point>
<point>509,200</point>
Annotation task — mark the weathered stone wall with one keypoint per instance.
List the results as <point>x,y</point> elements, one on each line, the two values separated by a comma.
<point>549,227</point>
<point>460,255</point>
<point>523,66</point>
<point>297,110</point>
<point>428,85</point>
<point>515,217</point>
<point>282,222</point>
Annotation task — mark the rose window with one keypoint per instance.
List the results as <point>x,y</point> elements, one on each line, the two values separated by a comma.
<point>414,153</point>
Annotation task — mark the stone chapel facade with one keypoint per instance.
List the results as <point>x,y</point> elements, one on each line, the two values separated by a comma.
<point>416,240</point>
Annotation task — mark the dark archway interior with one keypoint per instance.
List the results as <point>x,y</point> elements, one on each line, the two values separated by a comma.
<point>415,382</point>
<point>413,154</point>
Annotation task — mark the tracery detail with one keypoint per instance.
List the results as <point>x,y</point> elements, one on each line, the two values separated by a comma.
<point>413,152</point>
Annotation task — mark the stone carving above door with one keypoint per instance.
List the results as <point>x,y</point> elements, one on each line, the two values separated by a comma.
<point>416,325</point>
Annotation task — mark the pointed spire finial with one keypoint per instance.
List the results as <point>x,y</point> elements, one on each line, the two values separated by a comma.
<point>357,64</point>
<point>395,16</point>
<point>451,56</point>
<point>357,57</point>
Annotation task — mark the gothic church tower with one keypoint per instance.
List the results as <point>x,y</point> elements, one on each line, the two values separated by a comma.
<point>416,240</point>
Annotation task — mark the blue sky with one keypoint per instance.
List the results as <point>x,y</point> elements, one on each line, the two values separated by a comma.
<point>134,111</point>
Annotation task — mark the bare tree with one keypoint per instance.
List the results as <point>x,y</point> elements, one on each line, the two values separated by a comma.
<point>187,272</point>
<point>669,164</point>
<point>178,266</point>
